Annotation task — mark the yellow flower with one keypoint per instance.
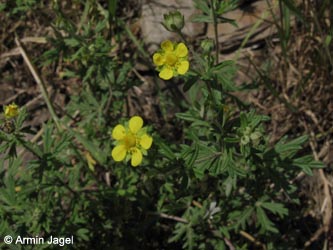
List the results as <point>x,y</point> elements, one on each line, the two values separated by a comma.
<point>171,60</point>
<point>11,110</point>
<point>132,141</point>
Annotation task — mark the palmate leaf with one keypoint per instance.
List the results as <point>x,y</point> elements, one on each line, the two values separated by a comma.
<point>205,159</point>
<point>241,217</point>
<point>264,222</point>
<point>185,233</point>
<point>62,144</point>
<point>227,163</point>
<point>6,197</point>
<point>178,232</point>
<point>275,208</point>
<point>189,242</point>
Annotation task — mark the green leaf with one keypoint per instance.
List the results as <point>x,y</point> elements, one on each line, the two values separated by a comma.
<point>47,137</point>
<point>231,139</point>
<point>178,232</point>
<point>275,208</point>
<point>190,82</point>
<point>72,42</point>
<point>290,4</point>
<point>206,158</point>
<point>193,117</point>
<point>290,148</point>
<point>202,5</point>
<point>166,150</point>
<point>89,73</point>
<point>193,156</point>
<point>306,163</point>
<point>62,143</point>
<point>328,40</point>
<point>202,19</point>
<point>189,243</point>
<point>68,73</point>
<point>6,197</point>
<point>83,234</point>
<point>2,7</point>
<point>112,7</point>
<point>224,64</point>
<point>229,184</point>
<point>265,223</point>
<point>241,217</point>
<point>227,20</point>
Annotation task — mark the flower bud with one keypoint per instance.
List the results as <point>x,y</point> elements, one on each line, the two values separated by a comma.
<point>173,21</point>
<point>255,137</point>
<point>11,110</point>
<point>207,45</point>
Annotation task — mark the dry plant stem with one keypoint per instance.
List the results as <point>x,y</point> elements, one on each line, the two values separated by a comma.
<point>267,83</point>
<point>172,217</point>
<point>228,243</point>
<point>197,204</point>
<point>327,50</point>
<point>327,203</point>
<point>252,239</point>
<point>39,82</point>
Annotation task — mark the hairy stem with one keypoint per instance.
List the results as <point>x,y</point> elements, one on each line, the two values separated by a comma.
<point>217,47</point>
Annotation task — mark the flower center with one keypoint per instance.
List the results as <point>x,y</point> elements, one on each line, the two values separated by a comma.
<point>171,59</point>
<point>130,141</point>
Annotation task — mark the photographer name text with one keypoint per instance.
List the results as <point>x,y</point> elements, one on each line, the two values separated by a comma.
<point>37,240</point>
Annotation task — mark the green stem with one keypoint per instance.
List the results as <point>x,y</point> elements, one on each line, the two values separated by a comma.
<point>217,47</point>
<point>216,104</point>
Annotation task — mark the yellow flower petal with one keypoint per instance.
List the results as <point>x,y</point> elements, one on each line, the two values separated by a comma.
<point>119,152</point>
<point>167,45</point>
<point>135,124</point>
<point>181,50</point>
<point>146,141</point>
<point>118,132</point>
<point>136,157</point>
<point>166,73</point>
<point>158,59</point>
<point>183,67</point>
